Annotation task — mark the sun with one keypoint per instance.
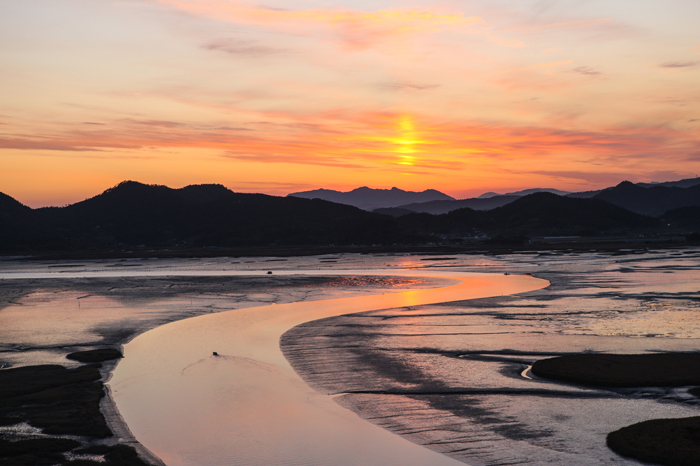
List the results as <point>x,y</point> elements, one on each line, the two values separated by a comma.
<point>406,141</point>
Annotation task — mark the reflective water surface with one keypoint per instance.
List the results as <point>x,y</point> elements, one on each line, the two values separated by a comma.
<point>446,376</point>
<point>245,405</point>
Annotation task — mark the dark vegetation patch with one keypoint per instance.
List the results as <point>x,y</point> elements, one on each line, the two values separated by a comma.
<point>97,355</point>
<point>623,370</point>
<point>44,451</point>
<point>672,442</point>
<point>58,400</point>
<point>117,455</point>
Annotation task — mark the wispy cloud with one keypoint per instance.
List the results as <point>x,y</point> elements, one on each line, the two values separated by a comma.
<point>608,177</point>
<point>409,86</point>
<point>561,25</point>
<point>679,64</point>
<point>242,47</point>
<point>539,66</point>
<point>389,140</point>
<point>586,71</point>
<point>358,29</point>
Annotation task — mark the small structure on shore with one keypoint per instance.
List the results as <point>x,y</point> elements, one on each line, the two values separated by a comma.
<point>215,353</point>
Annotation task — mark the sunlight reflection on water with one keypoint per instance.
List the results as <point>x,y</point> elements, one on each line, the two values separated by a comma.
<point>247,405</point>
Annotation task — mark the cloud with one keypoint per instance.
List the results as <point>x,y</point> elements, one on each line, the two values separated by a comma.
<point>585,70</point>
<point>365,141</point>
<point>326,161</point>
<point>562,25</point>
<point>242,47</point>
<point>409,86</point>
<point>157,123</point>
<point>589,177</point>
<point>357,29</point>
<point>539,66</point>
<point>60,144</point>
<point>679,64</point>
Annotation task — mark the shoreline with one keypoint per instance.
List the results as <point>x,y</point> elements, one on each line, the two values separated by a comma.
<point>602,245</point>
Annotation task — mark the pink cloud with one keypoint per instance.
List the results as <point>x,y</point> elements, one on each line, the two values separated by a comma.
<point>357,29</point>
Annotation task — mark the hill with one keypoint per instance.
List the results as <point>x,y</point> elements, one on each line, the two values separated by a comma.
<point>653,200</point>
<point>134,214</point>
<point>369,199</point>
<point>442,207</point>
<point>525,192</point>
<point>536,214</point>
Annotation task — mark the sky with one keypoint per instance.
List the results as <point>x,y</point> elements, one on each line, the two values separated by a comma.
<point>279,96</point>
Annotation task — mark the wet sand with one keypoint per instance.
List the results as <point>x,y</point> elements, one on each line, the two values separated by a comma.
<point>454,377</point>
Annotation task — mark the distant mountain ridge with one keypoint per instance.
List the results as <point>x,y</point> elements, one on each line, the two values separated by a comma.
<point>443,207</point>
<point>525,192</point>
<point>369,199</point>
<point>653,200</point>
<point>648,199</point>
<point>539,213</point>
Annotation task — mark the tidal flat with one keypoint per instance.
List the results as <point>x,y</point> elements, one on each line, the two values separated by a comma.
<point>452,377</point>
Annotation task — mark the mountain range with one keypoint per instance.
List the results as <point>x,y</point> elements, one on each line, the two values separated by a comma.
<point>369,199</point>
<point>644,198</point>
<point>135,215</point>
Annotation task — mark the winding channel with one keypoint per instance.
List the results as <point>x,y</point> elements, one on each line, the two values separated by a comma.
<point>246,405</point>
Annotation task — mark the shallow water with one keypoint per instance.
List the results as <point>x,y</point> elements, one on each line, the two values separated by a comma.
<point>629,303</point>
<point>246,405</point>
<point>449,376</point>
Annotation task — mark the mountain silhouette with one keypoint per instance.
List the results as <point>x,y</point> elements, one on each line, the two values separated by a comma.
<point>653,200</point>
<point>369,199</point>
<point>442,207</point>
<point>135,214</point>
<point>525,192</point>
<point>536,214</point>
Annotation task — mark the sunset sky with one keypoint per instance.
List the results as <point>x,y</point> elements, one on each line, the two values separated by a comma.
<point>278,96</point>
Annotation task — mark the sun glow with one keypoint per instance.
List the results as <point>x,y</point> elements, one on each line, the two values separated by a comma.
<point>407,141</point>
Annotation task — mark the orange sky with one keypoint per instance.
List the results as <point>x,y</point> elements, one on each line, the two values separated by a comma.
<point>288,96</point>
